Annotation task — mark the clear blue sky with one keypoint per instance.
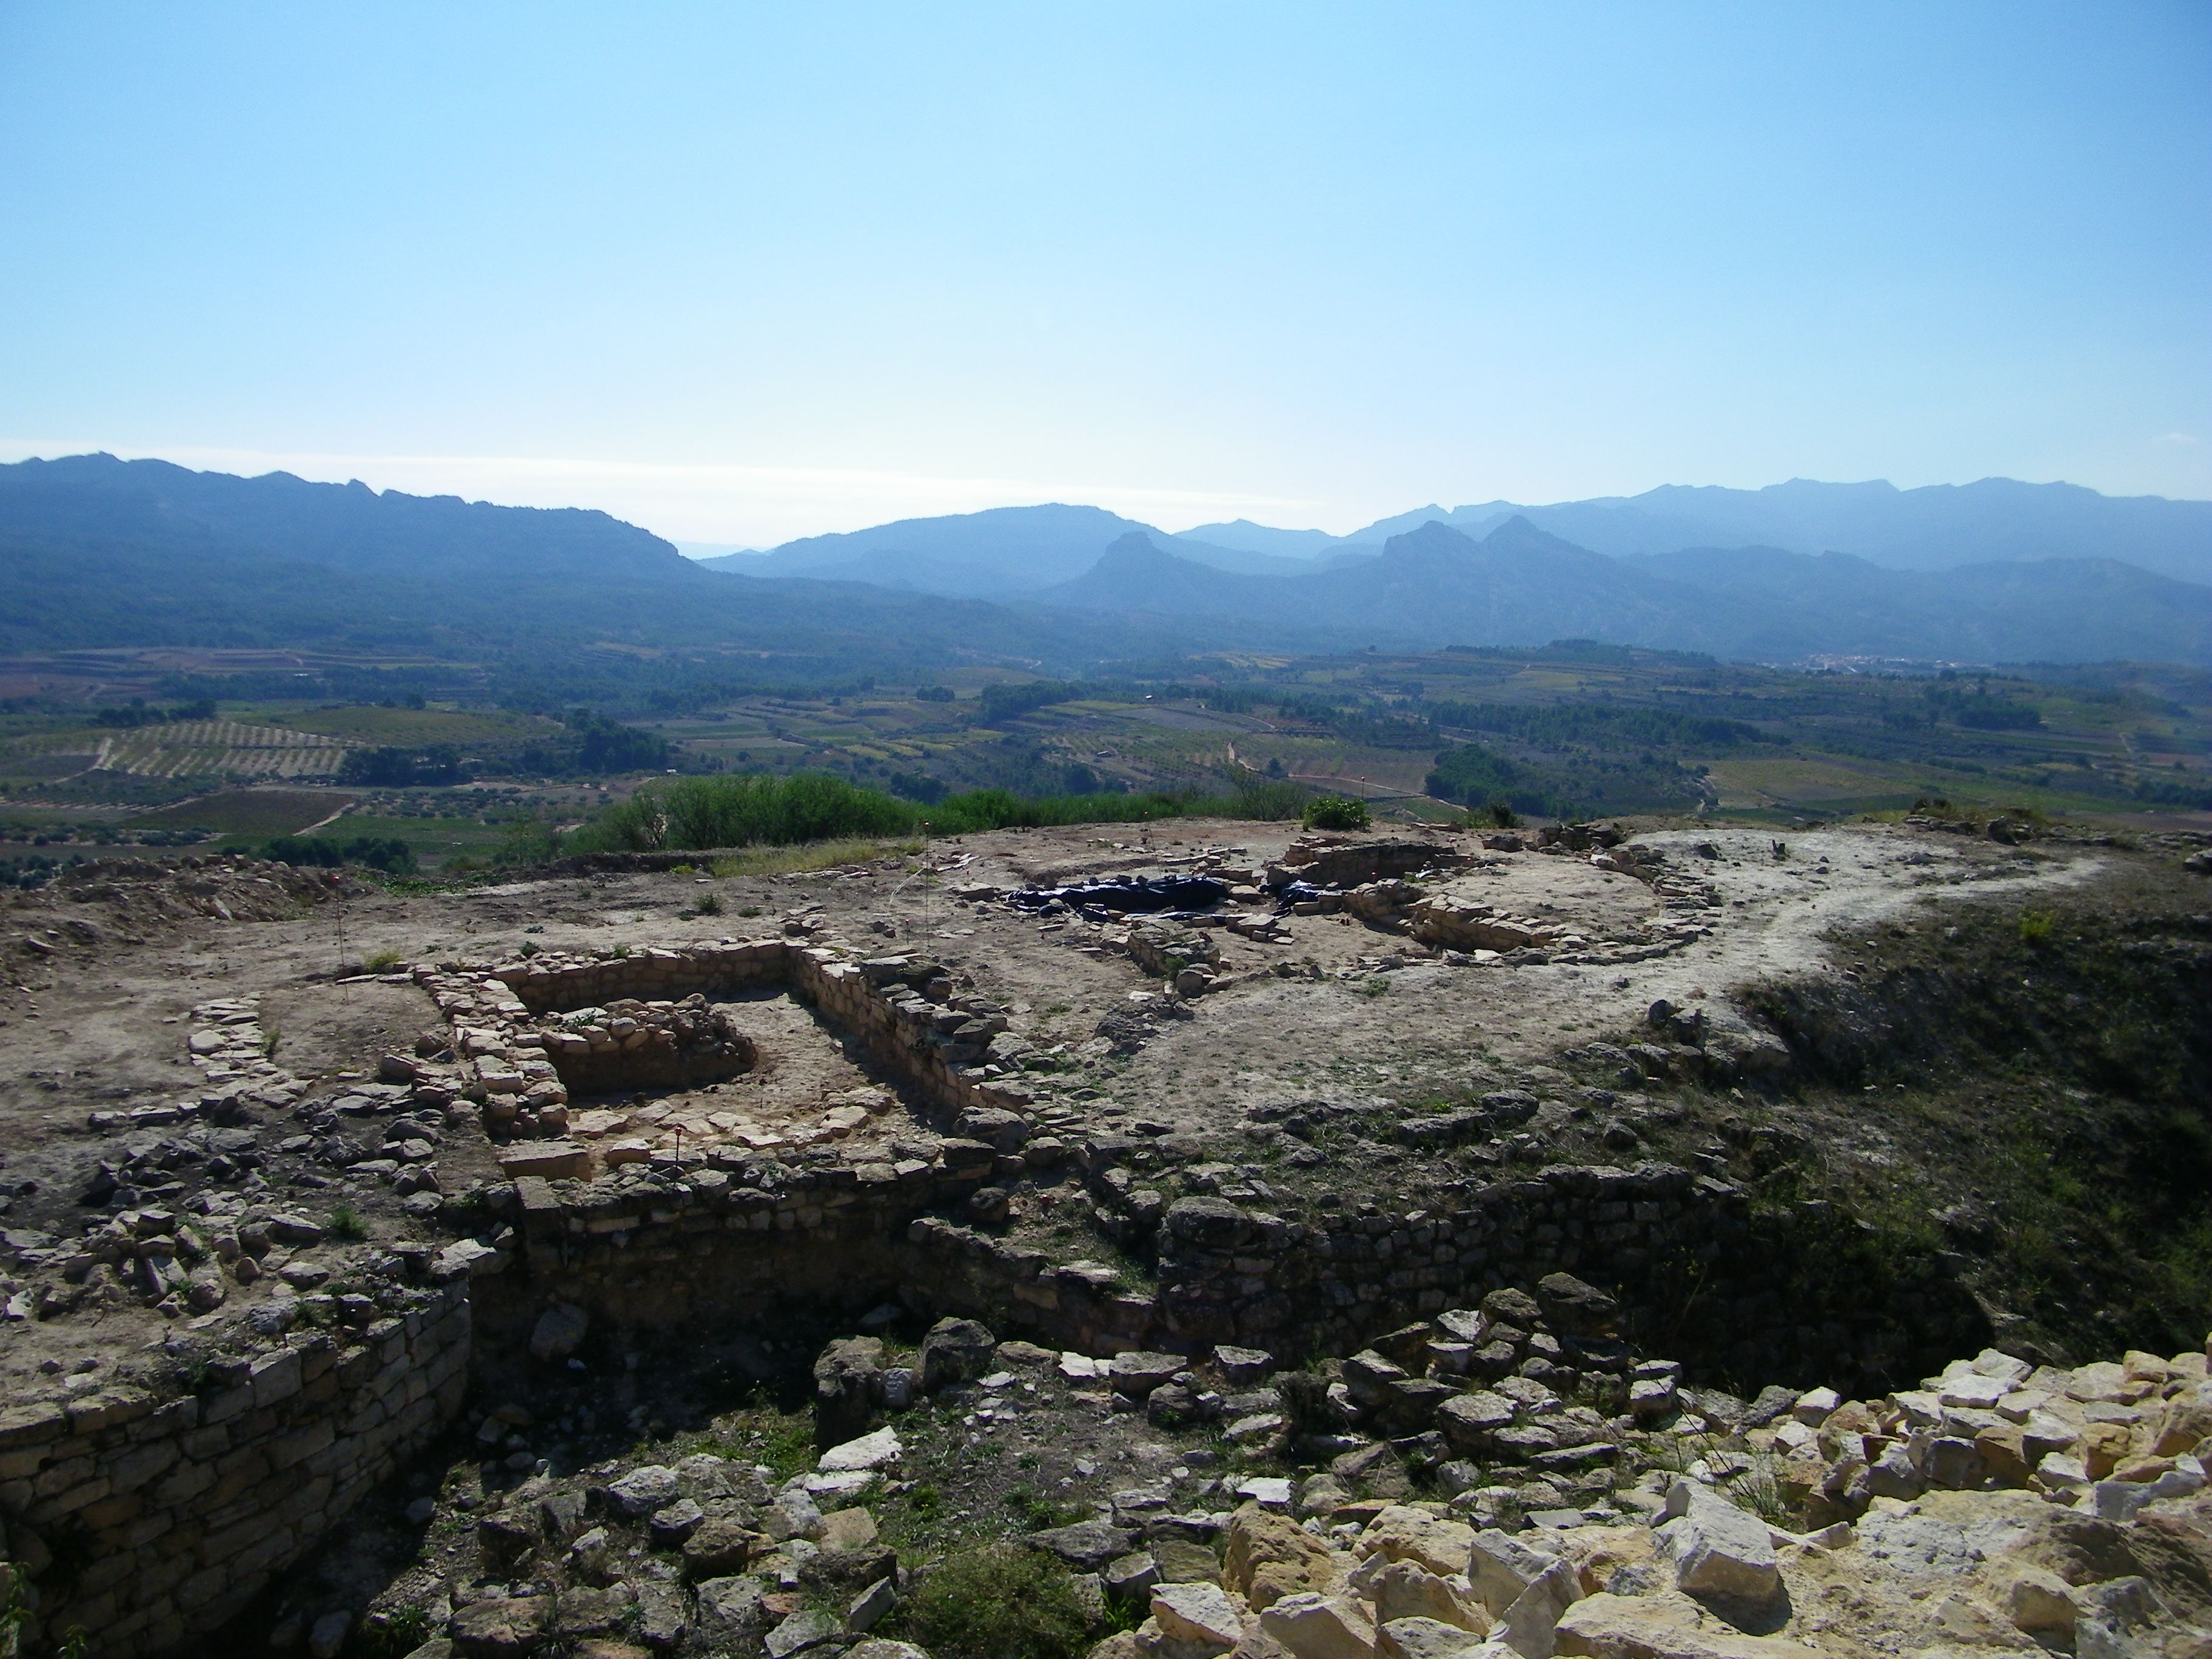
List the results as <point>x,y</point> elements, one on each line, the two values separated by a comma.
<point>743,273</point>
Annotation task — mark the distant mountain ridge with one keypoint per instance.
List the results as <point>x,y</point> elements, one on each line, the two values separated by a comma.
<point>347,527</point>
<point>1936,527</point>
<point>1434,584</point>
<point>1008,551</point>
<point>96,551</point>
<point>998,553</point>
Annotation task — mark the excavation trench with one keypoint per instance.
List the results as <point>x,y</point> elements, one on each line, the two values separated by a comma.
<point>722,1233</point>
<point>707,1249</point>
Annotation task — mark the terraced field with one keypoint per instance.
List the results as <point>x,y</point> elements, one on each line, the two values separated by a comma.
<point>219,749</point>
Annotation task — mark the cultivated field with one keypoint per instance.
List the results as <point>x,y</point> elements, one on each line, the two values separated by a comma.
<point>219,748</point>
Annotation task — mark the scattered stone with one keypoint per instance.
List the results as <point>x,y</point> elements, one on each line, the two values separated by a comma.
<point>1427,1638</point>
<point>559,1331</point>
<point>1270,1492</point>
<point>846,1529</point>
<point>1268,1556</point>
<point>1716,1549</point>
<point>499,1627</point>
<point>1401,1532</point>
<point>1185,1561</point>
<point>870,1451</point>
<point>955,1351</point>
<point>1243,1366</point>
<point>730,1609</point>
<point>642,1490</point>
<point>804,1632</point>
<point>1406,1590</point>
<point>869,1606</point>
<point>1502,1567</point>
<point>1087,1546</point>
<point>1140,1373</point>
<point>671,1525</point>
<point>1201,1614</point>
<point>1315,1626</point>
<point>1661,1627</point>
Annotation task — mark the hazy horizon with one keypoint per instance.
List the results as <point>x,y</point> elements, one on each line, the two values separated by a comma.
<point>543,488</point>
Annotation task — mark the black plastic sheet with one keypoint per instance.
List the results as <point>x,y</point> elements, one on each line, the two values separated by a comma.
<point>1123,895</point>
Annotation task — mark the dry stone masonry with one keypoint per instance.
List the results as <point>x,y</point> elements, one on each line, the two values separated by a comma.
<point>182,1503</point>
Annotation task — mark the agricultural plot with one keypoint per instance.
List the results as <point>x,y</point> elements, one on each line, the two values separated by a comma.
<point>250,814</point>
<point>435,841</point>
<point>219,748</point>
<point>372,725</point>
<point>1609,730</point>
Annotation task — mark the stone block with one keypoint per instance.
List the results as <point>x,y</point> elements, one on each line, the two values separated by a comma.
<point>1716,1548</point>
<point>1312,1627</point>
<point>1199,1614</point>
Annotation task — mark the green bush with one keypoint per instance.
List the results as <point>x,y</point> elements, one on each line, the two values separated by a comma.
<point>385,853</point>
<point>527,843</point>
<point>1335,812</point>
<point>999,1602</point>
<point>2035,927</point>
<point>760,809</point>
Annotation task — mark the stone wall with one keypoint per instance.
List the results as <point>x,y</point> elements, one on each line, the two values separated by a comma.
<point>630,1044</point>
<point>655,1249</point>
<point>1732,1293</point>
<point>146,1515</point>
<point>878,1004</point>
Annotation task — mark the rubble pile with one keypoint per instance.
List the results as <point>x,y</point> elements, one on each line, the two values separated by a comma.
<point>1416,888</point>
<point>231,1052</point>
<point>146,893</point>
<point>189,1193</point>
<point>1999,1507</point>
<point>1185,957</point>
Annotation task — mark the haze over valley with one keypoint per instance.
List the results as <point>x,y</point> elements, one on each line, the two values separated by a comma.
<point>1996,572</point>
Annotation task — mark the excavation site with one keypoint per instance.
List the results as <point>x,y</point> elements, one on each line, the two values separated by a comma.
<point>1641,1239</point>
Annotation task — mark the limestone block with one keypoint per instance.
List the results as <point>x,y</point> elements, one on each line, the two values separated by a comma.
<point>1314,1626</point>
<point>1426,1639</point>
<point>1716,1549</point>
<point>870,1451</point>
<point>642,1490</point>
<point>2036,1600</point>
<point>1528,1626</point>
<point>1403,1533</point>
<point>1201,1614</point>
<point>1661,1627</point>
<point>1406,1590</point>
<point>1269,1556</point>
